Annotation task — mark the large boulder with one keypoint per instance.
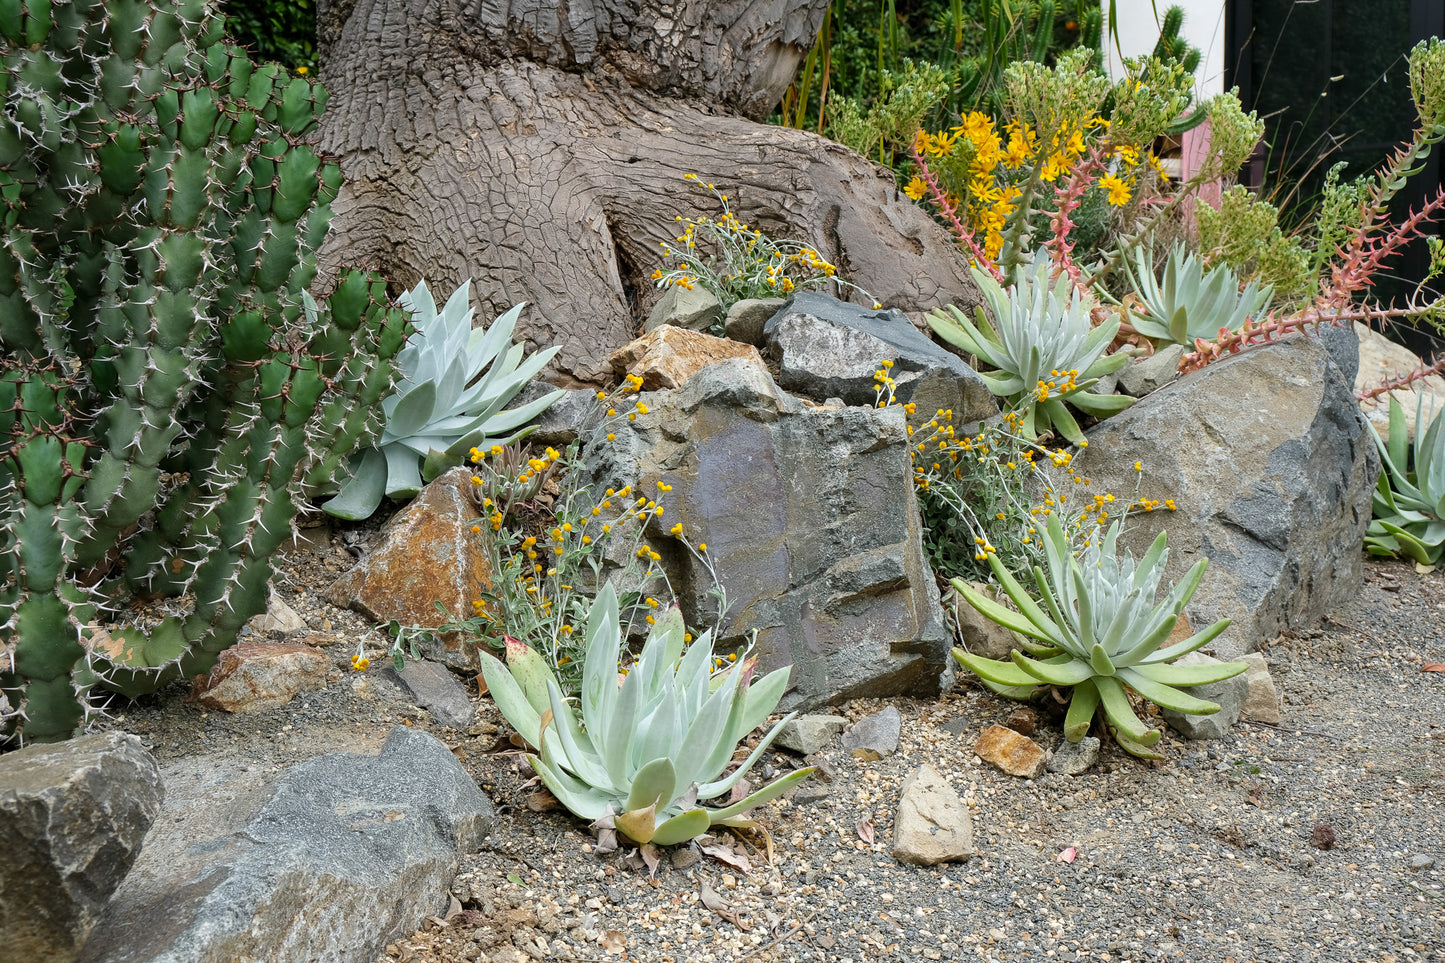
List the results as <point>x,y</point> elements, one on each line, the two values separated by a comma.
<point>331,862</point>
<point>811,526</point>
<point>72,817</point>
<point>825,348</point>
<point>1271,466</point>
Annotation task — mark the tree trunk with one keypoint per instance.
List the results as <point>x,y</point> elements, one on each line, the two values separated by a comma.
<point>538,148</point>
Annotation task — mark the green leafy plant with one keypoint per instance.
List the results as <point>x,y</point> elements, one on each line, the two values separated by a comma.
<point>648,748</point>
<point>1193,301</point>
<point>1101,631</point>
<point>454,381</point>
<point>1409,499</point>
<point>735,261</point>
<point>1042,348</point>
<point>164,376</point>
<point>276,30</point>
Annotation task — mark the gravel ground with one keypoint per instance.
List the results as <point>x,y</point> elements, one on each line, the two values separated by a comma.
<point>1318,839</point>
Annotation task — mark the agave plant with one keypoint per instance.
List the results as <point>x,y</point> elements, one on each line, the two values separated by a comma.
<point>1193,303</point>
<point>649,747</point>
<point>1101,631</point>
<point>453,383</point>
<point>1409,505</point>
<point>1043,348</point>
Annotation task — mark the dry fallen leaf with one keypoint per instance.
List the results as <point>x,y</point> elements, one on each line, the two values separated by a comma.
<point>1433,667</point>
<point>721,907</point>
<point>865,830</point>
<point>650,857</point>
<point>1068,855</point>
<point>723,849</point>
<point>542,801</point>
<point>613,942</point>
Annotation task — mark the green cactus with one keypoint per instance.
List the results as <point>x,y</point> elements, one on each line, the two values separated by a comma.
<point>164,376</point>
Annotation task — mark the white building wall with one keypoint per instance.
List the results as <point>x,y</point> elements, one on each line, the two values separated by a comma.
<point>1139,31</point>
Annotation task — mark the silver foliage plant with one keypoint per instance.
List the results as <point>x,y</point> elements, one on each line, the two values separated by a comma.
<point>652,740</point>
<point>454,381</point>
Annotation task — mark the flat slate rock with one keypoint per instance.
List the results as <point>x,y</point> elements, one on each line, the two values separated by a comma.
<point>331,862</point>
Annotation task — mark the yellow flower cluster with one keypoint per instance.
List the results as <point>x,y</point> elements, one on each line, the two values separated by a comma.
<point>980,168</point>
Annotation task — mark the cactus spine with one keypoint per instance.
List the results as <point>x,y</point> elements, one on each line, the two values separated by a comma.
<point>164,374</point>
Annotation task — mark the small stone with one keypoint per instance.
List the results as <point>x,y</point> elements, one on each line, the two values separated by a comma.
<point>254,675</point>
<point>875,736</point>
<point>1023,721</point>
<point>685,858</point>
<point>1074,758</point>
<point>933,824</point>
<point>981,636</point>
<point>1261,703</point>
<point>746,318</point>
<point>1420,861</point>
<point>1015,754</point>
<point>810,792</point>
<point>696,308</point>
<point>1322,837</point>
<point>1228,693</point>
<point>1151,373</point>
<point>278,617</point>
<point>809,734</point>
<point>436,690</point>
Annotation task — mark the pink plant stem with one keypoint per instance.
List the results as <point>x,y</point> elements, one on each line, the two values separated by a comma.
<point>1068,198</point>
<point>1274,328</point>
<point>950,214</point>
<point>1403,381</point>
<point>1364,255</point>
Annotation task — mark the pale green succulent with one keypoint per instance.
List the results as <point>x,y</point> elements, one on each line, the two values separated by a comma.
<point>453,381</point>
<point>1409,505</point>
<point>1042,346</point>
<point>1192,302</point>
<point>648,748</point>
<point>1102,631</point>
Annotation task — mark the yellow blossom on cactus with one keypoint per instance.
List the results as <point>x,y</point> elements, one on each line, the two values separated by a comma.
<point>916,188</point>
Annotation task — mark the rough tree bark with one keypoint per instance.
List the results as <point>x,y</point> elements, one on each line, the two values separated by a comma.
<point>538,147</point>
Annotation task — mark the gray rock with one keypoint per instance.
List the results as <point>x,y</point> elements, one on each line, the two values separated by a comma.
<point>875,736</point>
<point>1420,861</point>
<point>698,309</point>
<point>745,319</point>
<point>278,617</point>
<point>340,856</point>
<point>1261,703</point>
<point>811,524</point>
<point>933,824</point>
<point>1271,466</point>
<point>826,348</point>
<point>1147,375</point>
<point>72,817</point>
<point>435,689</point>
<point>1074,758</point>
<point>1229,694</point>
<point>810,733</point>
<point>980,636</point>
<point>560,424</point>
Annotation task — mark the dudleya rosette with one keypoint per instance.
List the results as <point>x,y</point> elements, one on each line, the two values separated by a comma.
<point>1101,632</point>
<point>453,381</point>
<point>652,740</point>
